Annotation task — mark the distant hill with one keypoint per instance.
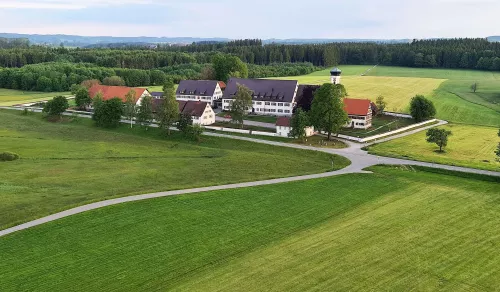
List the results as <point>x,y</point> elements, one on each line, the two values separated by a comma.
<point>83,41</point>
<point>109,41</point>
<point>494,38</point>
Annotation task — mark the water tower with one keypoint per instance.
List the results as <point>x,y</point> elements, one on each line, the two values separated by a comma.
<point>335,75</point>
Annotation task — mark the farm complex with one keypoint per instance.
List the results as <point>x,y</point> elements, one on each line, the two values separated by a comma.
<point>245,166</point>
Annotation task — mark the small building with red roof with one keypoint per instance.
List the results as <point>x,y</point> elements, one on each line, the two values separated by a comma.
<point>359,112</point>
<point>109,92</point>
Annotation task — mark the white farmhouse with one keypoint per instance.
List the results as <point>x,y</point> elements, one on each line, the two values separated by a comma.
<point>359,112</point>
<point>199,90</point>
<point>283,128</point>
<point>201,112</point>
<point>269,97</point>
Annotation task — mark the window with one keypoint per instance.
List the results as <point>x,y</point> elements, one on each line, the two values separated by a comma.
<point>287,111</point>
<point>272,110</point>
<point>280,110</point>
<point>268,103</point>
<point>273,104</point>
<point>258,103</point>
<point>287,104</point>
<point>280,104</point>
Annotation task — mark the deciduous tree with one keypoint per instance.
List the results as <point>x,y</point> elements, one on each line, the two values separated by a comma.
<point>145,112</point>
<point>185,121</point>
<point>194,132</point>
<point>227,66</point>
<point>421,108</point>
<point>474,87</point>
<point>298,123</point>
<point>168,110</point>
<point>56,106</point>
<point>240,104</point>
<point>438,136</point>
<point>89,83</point>
<point>109,113</point>
<point>327,110</point>
<point>129,108</point>
<point>381,104</point>
<point>113,81</point>
<point>82,98</point>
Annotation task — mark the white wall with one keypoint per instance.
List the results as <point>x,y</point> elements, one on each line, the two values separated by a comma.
<point>283,131</point>
<point>268,108</point>
<point>209,99</point>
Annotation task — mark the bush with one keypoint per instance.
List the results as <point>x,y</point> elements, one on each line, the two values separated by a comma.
<point>56,106</point>
<point>8,156</point>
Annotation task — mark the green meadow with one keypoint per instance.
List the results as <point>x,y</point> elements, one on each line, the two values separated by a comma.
<point>10,97</point>
<point>73,163</point>
<point>396,229</point>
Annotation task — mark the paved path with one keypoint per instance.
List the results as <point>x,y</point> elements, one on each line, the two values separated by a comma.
<point>359,160</point>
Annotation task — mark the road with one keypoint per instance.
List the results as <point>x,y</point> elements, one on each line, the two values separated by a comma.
<point>359,158</point>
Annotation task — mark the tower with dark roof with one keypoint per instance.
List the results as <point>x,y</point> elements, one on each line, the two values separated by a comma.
<point>335,75</point>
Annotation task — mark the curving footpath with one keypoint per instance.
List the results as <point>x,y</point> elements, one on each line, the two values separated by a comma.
<point>359,158</point>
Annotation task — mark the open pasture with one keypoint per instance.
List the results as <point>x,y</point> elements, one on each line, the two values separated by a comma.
<point>396,229</point>
<point>469,146</point>
<point>10,97</point>
<point>69,164</point>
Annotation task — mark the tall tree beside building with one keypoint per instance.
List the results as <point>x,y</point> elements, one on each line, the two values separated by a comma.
<point>381,104</point>
<point>56,107</point>
<point>298,123</point>
<point>129,108</point>
<point>327,110</point>
<point>82,98</point>
<point>168,111</point>
<point>145,112</point>
<point>109,113</point>
<point>240,104</point>
<point>97,102</point>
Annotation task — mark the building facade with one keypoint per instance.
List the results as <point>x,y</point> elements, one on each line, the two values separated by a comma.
<point>208,91</point>
<point>269,97</point>
<point>201,112</point>
<point>283,128</point>
<point>360,113</point>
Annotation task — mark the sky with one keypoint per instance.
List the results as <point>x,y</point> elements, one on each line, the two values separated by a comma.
<point>236,19</point>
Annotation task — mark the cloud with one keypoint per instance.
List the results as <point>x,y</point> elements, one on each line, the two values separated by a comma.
<point>69,4</point>
<point>255,19</point>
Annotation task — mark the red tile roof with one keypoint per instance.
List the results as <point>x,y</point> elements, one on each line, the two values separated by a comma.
<point>222,85</point>
<point>110,92</point>
<point>283,122</point>
<point>358,107</point>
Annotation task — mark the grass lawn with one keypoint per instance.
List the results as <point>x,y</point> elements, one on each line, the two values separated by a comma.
<point>158,88</point>
<point>64,165</point>
<point>10,97</point>
<point>397,229</point>
<point>321,142</point>
<point>245,127</point>
<point>449,89</point>
<point>470,146</point>
<point>380,124</point>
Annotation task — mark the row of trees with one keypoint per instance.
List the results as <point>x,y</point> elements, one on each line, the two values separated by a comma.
<point>445,53</point>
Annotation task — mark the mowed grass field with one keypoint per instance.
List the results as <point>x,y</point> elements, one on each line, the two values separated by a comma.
<point>470,146</point>
<point>397,91</point>
<point>69,164</point>
<point>449,89</point>
<point>10,97</point>
<point>396,229</point>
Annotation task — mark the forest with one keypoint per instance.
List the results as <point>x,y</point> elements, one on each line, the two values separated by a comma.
<point>30,67</point>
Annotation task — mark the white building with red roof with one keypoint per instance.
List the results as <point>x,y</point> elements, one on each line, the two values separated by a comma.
<point>283,128</point>
<point>109,92</point>
<point>359,112</point>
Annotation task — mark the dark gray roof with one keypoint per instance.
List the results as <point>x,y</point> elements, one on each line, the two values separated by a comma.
<point>197,87</point>
<point>264,89</point>
<point>157,94</point>
<point>336,70</point>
